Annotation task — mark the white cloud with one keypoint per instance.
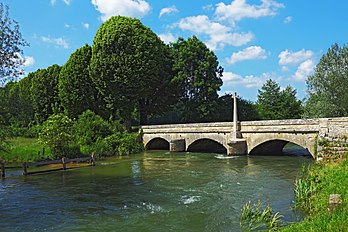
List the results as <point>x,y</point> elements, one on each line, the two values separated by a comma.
<point>249,81</point>
<point>167,38</point>
<point>208,7</point>
<point>249,53</point>
<point>67,25</point>
<point>219,35</point>
<point>305,69</point>
<point>239,9</point>
<point>85,25</point>
<point>287,20</point>
<point>28,61</point>
<point>60,42</point>
<point>67,2</point>
<point>287,57</point>
<point>130,8</point>
<point>168,10</point>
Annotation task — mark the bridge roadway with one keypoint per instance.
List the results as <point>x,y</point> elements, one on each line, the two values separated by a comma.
<point>261,137</point>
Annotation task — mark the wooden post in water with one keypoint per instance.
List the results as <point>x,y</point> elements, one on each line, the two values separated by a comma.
<point>2,167</point>
<point>25,171</point>
<point>64,164</point>
<point>93,159</point>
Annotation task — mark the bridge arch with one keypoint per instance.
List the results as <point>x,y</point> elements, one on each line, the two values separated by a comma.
<point>157,143</point>
<point>273,143</point>
<point>207,145</point>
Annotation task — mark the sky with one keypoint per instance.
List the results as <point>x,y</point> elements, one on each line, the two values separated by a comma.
<point>254,40</point>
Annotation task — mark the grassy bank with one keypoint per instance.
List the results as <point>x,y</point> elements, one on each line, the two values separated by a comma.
<point>323,180</point>
<point>24,150</point>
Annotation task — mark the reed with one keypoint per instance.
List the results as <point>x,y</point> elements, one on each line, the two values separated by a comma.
<point>254,217</point>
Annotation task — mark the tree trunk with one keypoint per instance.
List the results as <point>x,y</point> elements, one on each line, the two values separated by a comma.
<point>143,113</point>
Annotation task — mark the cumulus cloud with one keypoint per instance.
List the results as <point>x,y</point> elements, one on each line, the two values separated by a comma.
<point>219,35</point>
<point>60,42</point>
<point>288,20</point>
<point>249,81</point>
<point>249,53</point>
<point>130,8</point>
<point>240,9</point>
<point>167,38</point>
<point>288,57</point>
<point>305,69</point>
<point>168,10</point>
<point>28,61</point>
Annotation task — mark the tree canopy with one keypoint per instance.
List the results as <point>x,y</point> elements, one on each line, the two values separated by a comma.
<point>327,87</point>
<point>11,42</point>
<point>274,103</point>
<point>197,75</point>
<point>129,66</point>
<point>77,92</point>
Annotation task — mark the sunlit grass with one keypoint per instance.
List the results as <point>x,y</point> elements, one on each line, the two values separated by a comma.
<point>326,179</point>
<point>24,150</point>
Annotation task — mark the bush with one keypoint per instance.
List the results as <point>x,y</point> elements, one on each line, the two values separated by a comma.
<point>57,133</point>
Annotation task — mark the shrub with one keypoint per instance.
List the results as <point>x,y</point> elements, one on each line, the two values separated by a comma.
<point>57,133</point>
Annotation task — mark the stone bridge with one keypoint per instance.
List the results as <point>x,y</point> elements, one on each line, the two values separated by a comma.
<point>250,137</point>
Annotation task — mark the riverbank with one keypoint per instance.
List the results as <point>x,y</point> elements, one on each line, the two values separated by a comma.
<point>21,149</point>
<point>324,179</point>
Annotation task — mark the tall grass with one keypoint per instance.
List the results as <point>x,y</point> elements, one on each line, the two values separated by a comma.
<point>313,193</point>
<point>25,150</point>
<point>254,217</point>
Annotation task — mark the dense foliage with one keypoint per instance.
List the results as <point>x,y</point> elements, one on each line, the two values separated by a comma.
<point>76,89</point>
<point>10,46</point>
<point>130,67</point>
<point>197,76</point>
<point>327,87</point>
<point>274,103</point>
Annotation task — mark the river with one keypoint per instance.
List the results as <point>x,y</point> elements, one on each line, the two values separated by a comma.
<point>152,191</point>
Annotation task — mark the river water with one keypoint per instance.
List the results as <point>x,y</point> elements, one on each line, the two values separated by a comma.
<point>152,191</point>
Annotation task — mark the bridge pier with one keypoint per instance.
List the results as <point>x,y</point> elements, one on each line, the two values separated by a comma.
<point>177,145</point>
<point>237,147</point>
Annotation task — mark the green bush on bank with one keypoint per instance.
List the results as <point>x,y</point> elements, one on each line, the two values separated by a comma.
<point>329,178</point>
<point>89,134</point>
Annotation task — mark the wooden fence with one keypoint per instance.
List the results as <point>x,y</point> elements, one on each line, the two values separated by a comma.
<point>56,165</point>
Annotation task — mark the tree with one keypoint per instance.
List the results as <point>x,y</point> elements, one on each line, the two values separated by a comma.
<point>197,77</point>
<point>45,92</point>
<point>77,91</point>
<point>130,67</point>
<point>327,87</point>
<point>10,42</point>
<point>274,103</point>
<point>246,109</point>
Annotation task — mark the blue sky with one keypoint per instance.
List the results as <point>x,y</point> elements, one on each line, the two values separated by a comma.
<point>255,40</point>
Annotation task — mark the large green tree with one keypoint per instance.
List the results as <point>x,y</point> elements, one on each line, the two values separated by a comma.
<point>327,87</point>
<point>11,42</point>
<point>274,103</point>
<point>130,67</point>
<point>197,77</point>
<point>77,91</point>
<point>45,92</point>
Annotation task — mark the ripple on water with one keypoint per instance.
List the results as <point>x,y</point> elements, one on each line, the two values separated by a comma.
<point>189,199</point>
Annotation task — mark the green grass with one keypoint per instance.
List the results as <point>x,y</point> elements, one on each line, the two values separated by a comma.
<point>24,150</point>
<point>328,179</point>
